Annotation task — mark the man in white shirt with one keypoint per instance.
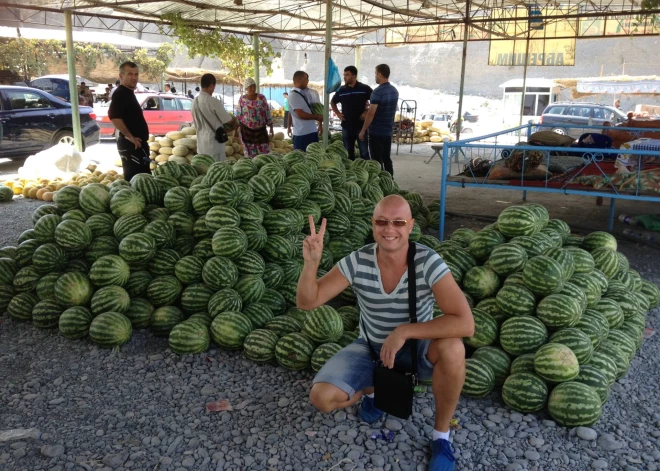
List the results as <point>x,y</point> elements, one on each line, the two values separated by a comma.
<point>208,115</point>
<point>304,120</point>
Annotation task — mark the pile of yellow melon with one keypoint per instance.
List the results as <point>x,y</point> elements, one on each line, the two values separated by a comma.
<point>278,144</point>
<point>424,132</point>
<point>277,113</point>
<point>44,188</point>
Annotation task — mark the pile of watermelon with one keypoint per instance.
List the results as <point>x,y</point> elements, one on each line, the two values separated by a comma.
<point>558,317</point>
<point>199,253</point>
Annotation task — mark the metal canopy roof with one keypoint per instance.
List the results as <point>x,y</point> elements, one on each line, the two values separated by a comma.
<point>366,22</point>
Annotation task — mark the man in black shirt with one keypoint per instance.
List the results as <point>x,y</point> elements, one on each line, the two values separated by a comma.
<point>126,115</point>
<point>354,98</point>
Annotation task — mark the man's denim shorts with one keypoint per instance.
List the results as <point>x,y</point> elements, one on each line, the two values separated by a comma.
<point>352,368</point>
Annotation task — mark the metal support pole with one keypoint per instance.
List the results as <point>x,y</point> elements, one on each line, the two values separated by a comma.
<point>610,219</point>
<point>358,56</point>
<point>255,45</point>
<point>443,187</point>
<point>524,85</point>
<point>466,31</point>
<point>73,83</point>
<point>328,53</point>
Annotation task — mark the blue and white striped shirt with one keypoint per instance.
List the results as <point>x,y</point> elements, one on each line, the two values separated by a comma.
<point>380,312</point>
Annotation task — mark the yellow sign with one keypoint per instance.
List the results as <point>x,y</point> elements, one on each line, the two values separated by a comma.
<point>551,42</point>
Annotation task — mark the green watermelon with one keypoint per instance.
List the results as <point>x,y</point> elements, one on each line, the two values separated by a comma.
<point>582,260</point>
<point>543,275</point>
<point>564,258</point>
<point>110,330</point>
<point>525,392</point>
<point>259,345</point>
<point>164,319</point>
<point>597,379</point>
<point>219,273</point>
<point>579,343</point>
<point>485,329</point>
<point>523,364</point>
<point>322,354</point>
<point>323,324</point>
<point>46,314</point>
<point>515,300</point>
<point>74,323</point>
<point>484,242</point>
<point>558,310</point>
<point>599,239</point>
<point>189,337</point>
<point>556,363</point>
<point>497,359</point>
<point>506,259</point>
<point>73,289</point>
<point>481,282</point>
<point>523,334</point>
<point>230,329</point>
<point>164,290</point>
<point>479,378</point>
<point>283,325</point>
<point>294,351</point>
<point>110,299</point>
<point>517,221</point>
<point>574,404</point>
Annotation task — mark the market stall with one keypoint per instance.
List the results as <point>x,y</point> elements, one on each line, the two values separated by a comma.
<point>530,158</point>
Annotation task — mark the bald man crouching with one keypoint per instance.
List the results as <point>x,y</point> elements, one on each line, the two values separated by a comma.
<point>378,274</point>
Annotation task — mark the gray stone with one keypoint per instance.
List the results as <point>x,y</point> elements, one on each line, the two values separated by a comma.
<point>427,412</point>
<point>516,417</point>
<point>532,455</point>
<point>599,464</point>
<point>188,462</point>
<point>393,425</point>
<point>377,461</point>
<point>19,453</point>
<point>52,451</point>
<point>115,460</point>
<point>57,402</point>
<point>586,433</point>
<point>513,467</point>
<point>283,402</point>
<point>609,442</point>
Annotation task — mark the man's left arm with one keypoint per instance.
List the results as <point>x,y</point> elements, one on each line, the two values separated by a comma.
<point>368,119</point>
<point>222,115</point>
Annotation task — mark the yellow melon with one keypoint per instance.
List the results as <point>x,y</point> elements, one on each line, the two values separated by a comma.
<point>166,150</point>
<point>174,135</point>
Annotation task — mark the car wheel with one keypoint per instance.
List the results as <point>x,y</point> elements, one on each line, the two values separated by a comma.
<point>63,137</point>
<point>466,131</point>
<point>561,131</point>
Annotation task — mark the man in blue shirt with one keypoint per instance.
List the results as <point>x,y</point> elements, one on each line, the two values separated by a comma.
<point>380,118</point>
<point>305,130</point>
<point>354,98</point>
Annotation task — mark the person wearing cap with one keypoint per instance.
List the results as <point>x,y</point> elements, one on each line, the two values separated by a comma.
<point>303,119</point>
<point>254,118</point>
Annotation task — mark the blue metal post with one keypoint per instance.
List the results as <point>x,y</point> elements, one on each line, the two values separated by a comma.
<point>524,195</point>
<point>443,187</point>
<point>610,221</point>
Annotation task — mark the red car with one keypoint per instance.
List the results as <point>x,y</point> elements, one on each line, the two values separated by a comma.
<point>164,112</point>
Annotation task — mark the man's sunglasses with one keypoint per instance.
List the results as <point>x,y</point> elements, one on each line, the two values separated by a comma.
<point>395,222</point>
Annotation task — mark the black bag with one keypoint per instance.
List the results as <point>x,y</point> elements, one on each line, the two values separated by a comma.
<point>394,388</point>
<point>220,133</point>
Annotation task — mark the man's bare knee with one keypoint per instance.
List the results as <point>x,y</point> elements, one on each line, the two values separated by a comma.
<point>447,351</point>
<point>326,397</point>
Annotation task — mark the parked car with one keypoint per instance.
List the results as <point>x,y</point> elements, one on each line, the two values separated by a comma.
<point>163,112</point>
<point>32,120</point>
<point>446,120</point>
<point>565,116</point>
<point>58,85</point>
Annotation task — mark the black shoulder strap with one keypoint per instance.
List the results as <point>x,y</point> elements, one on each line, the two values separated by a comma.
<point>412,300</point>
<point>412,308</point>
<point>304,98</point>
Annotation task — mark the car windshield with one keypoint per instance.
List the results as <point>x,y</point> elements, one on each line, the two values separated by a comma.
<point>620,114</point>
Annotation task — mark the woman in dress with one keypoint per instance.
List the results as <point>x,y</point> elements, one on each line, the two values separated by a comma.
<point>254,117</point>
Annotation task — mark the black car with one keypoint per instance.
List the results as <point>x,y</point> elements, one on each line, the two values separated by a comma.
<point>32,120</point>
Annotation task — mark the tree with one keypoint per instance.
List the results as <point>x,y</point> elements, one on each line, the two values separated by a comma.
<point>151,65</point>
<point>29,58</point>
<point>236,56</point>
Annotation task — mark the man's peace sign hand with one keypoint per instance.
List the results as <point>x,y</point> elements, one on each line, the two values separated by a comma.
<point>313,244</point>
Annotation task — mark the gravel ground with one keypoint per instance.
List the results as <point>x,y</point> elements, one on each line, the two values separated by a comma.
<point>143,408</point>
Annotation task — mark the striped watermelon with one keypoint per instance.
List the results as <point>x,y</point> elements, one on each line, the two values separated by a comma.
<point>574,404</point>
<point>229,330</point>
<point>110,299</point>
<point>256,235</point>
<point>183,222</point>
<point>219,273</point>
<point>127,201</point>
<point>483,243</point>
<point>479,379</point>
<point>606,260</point>
<point>263,187</point>
<point>250,263</point>
<point>189,269</point>
<point>597,379</point>
<point>46,314</point>
<point>47,258</point>
<point>347,338</point>
<point>523,364</point>
<point>626,279</point>
<point>229,242</point>
<point>497,359</point>
<point>260,345</point>
<point>101,246</point>
<point>189,337</point>
<point>74,323</point>
<point>217,172</point>
<point>109,270</point>
<point>597,240</point>
<point>163,262</point>
<point>150,189</point>
<point>543,275</point>
<point>250,287</point>
<point>110,330</point>
<point>73,235</point>
<point>564,258</point>
<point>24,252</point>
<point>164,290</point>
<point>514,279</point>
<point>506,259</point>
<point>515,300</point>
<point>523,334</point>
<point>274,300</point>
<point>258,313</point>
<point>485,330</point>
<point>595,317</point>
<point>137,283</point>
<point>162,232</point>
<point>481,282</point>
<point>225,300</point>
<point>525,392</point>
<point>322,354</point>
<point>129,224</point>
<point>579,343</point>
<point>606,365</point>
<point>73,289</point>
<point>556,238</point>
<point>611,310</point>
<point>45,289</point>
<point>154,213</point>
<point>323,324</point>
<point>222,216</point>
<point>283,325</point>
<point>529,244</point>
<point>136,248</point>
<point>77,214</point>
<point>556,363</point>
<point>576,293</point>
<point>462,259</point>
<point>67,198</point>
<point>628,302</point>
<point>589,285</point>
<point>139,313</point>
<point>462,236</point>
<point>164,319</point>
<point>44,228</point>
<point>559,226</point>
<point>582,260</point>
<point>619,338</point>
<point>517,221</point>
<point>204,250</point>
<point>178,199</point>
<point>94,199</point>
<point>294,351</point>
<point>558,310</point>
<point>20,307</point>
<point>195,298</point>
<point>26,279</point>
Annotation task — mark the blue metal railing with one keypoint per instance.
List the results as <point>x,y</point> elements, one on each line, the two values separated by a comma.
<point>499,145</point>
